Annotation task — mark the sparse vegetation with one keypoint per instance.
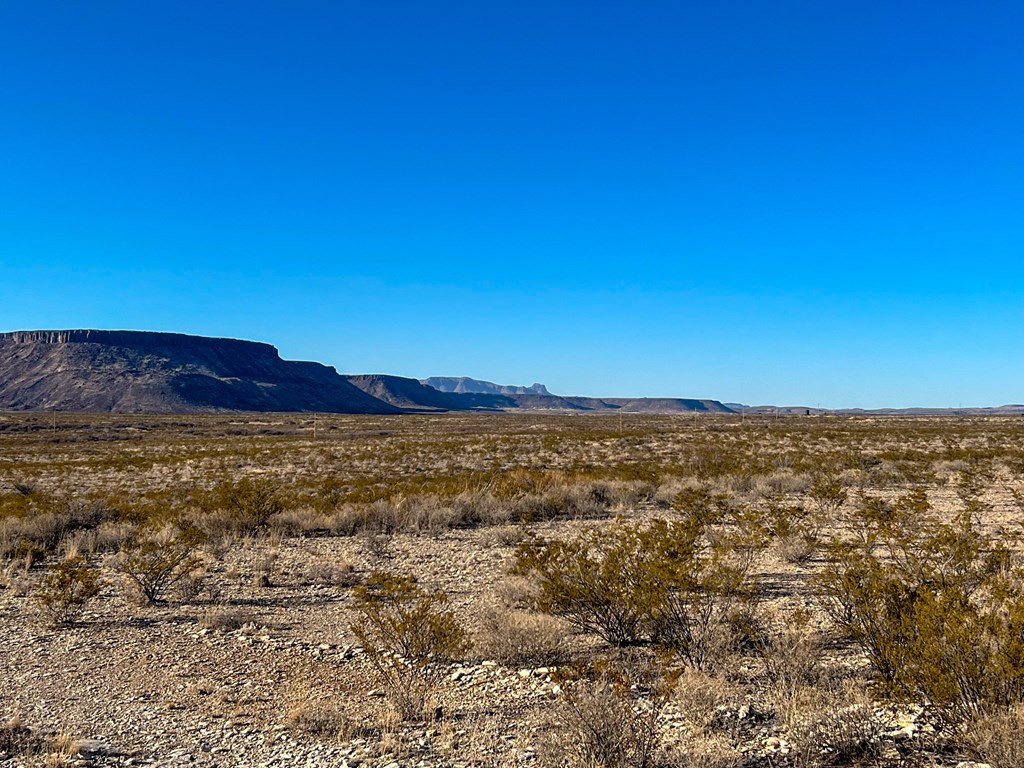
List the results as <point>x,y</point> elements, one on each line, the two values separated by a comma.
<point>602,721</point>
<point>321,719</point>
<point>844,730</point>
<point>408,634</point>
<point>677,584</point>
<point>821,591</point>
<point>67,588</point>
<point>156,561</point>
<point>519,638</point>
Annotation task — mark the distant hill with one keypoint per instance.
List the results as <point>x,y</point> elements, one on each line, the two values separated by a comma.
<point>1001,410</point>
<point>466,385</point>
<point>407,393</point>
<point>537,397</point>
<point>648,404</point>
<point>531,402</point>
<point>803,410</point>
<point>413,395</point>
<point>138,371</point>
<point>146,372</point>
<point>664,405</point>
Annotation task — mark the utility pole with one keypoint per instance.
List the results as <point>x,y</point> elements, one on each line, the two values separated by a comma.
<point>314,426</point>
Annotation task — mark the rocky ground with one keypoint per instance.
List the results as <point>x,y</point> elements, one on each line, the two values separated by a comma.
<point>261,669</point>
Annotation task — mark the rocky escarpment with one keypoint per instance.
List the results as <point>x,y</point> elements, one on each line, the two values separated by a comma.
<point>656,404</point>
<point>406,393</point>
<point>413,395</point>
<point>144,372</point>
<point>465,385</point>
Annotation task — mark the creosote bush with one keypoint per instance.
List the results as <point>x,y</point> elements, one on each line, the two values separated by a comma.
<point>797,531</point>
<point>249,503</point>
<point>937,607</point>
<point>828,493</point>
<point>66,589</point>
<point>679,584</point>
<point>156,561</point>
<point>407,634</point>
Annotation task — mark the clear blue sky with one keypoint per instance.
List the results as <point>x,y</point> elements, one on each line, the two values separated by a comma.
<point>784,202</point>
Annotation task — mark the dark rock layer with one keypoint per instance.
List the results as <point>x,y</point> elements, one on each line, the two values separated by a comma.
<point>138,371</point>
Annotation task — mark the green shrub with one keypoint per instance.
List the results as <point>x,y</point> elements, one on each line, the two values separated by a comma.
<point>66,588</point>
<point>249,502</point>
<point>407,633</point>
<point>675,583</point>
<point>796,531</point>
<point>828,493</point>
<point>599,582</point>
<point>155,562</point>
<point>938,608</point>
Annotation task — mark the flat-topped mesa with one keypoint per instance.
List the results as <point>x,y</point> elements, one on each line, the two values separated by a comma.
<point>142,371</point>
<point>136,340</point>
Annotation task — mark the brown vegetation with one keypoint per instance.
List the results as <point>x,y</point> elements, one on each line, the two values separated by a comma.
<point>726,591</point>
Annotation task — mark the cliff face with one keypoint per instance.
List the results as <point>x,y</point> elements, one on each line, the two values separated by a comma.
<point>137,371</point>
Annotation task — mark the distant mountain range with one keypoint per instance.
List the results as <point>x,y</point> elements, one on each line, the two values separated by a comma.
<point>411,394</point>
<point>145,372</point>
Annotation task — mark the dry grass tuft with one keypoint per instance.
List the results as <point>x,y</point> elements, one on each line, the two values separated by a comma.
<point>841,728</point>
<point>996,737</point>
<point>318,718</point>
<point>518,638</point>
<point>224,619</point>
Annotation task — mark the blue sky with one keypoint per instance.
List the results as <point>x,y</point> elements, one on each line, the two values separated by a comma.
<point>790,202</point>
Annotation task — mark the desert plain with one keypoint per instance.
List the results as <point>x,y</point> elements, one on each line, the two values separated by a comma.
<point>510,590</point>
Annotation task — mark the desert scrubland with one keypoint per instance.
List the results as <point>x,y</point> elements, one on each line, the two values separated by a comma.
<point>511,590</point>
